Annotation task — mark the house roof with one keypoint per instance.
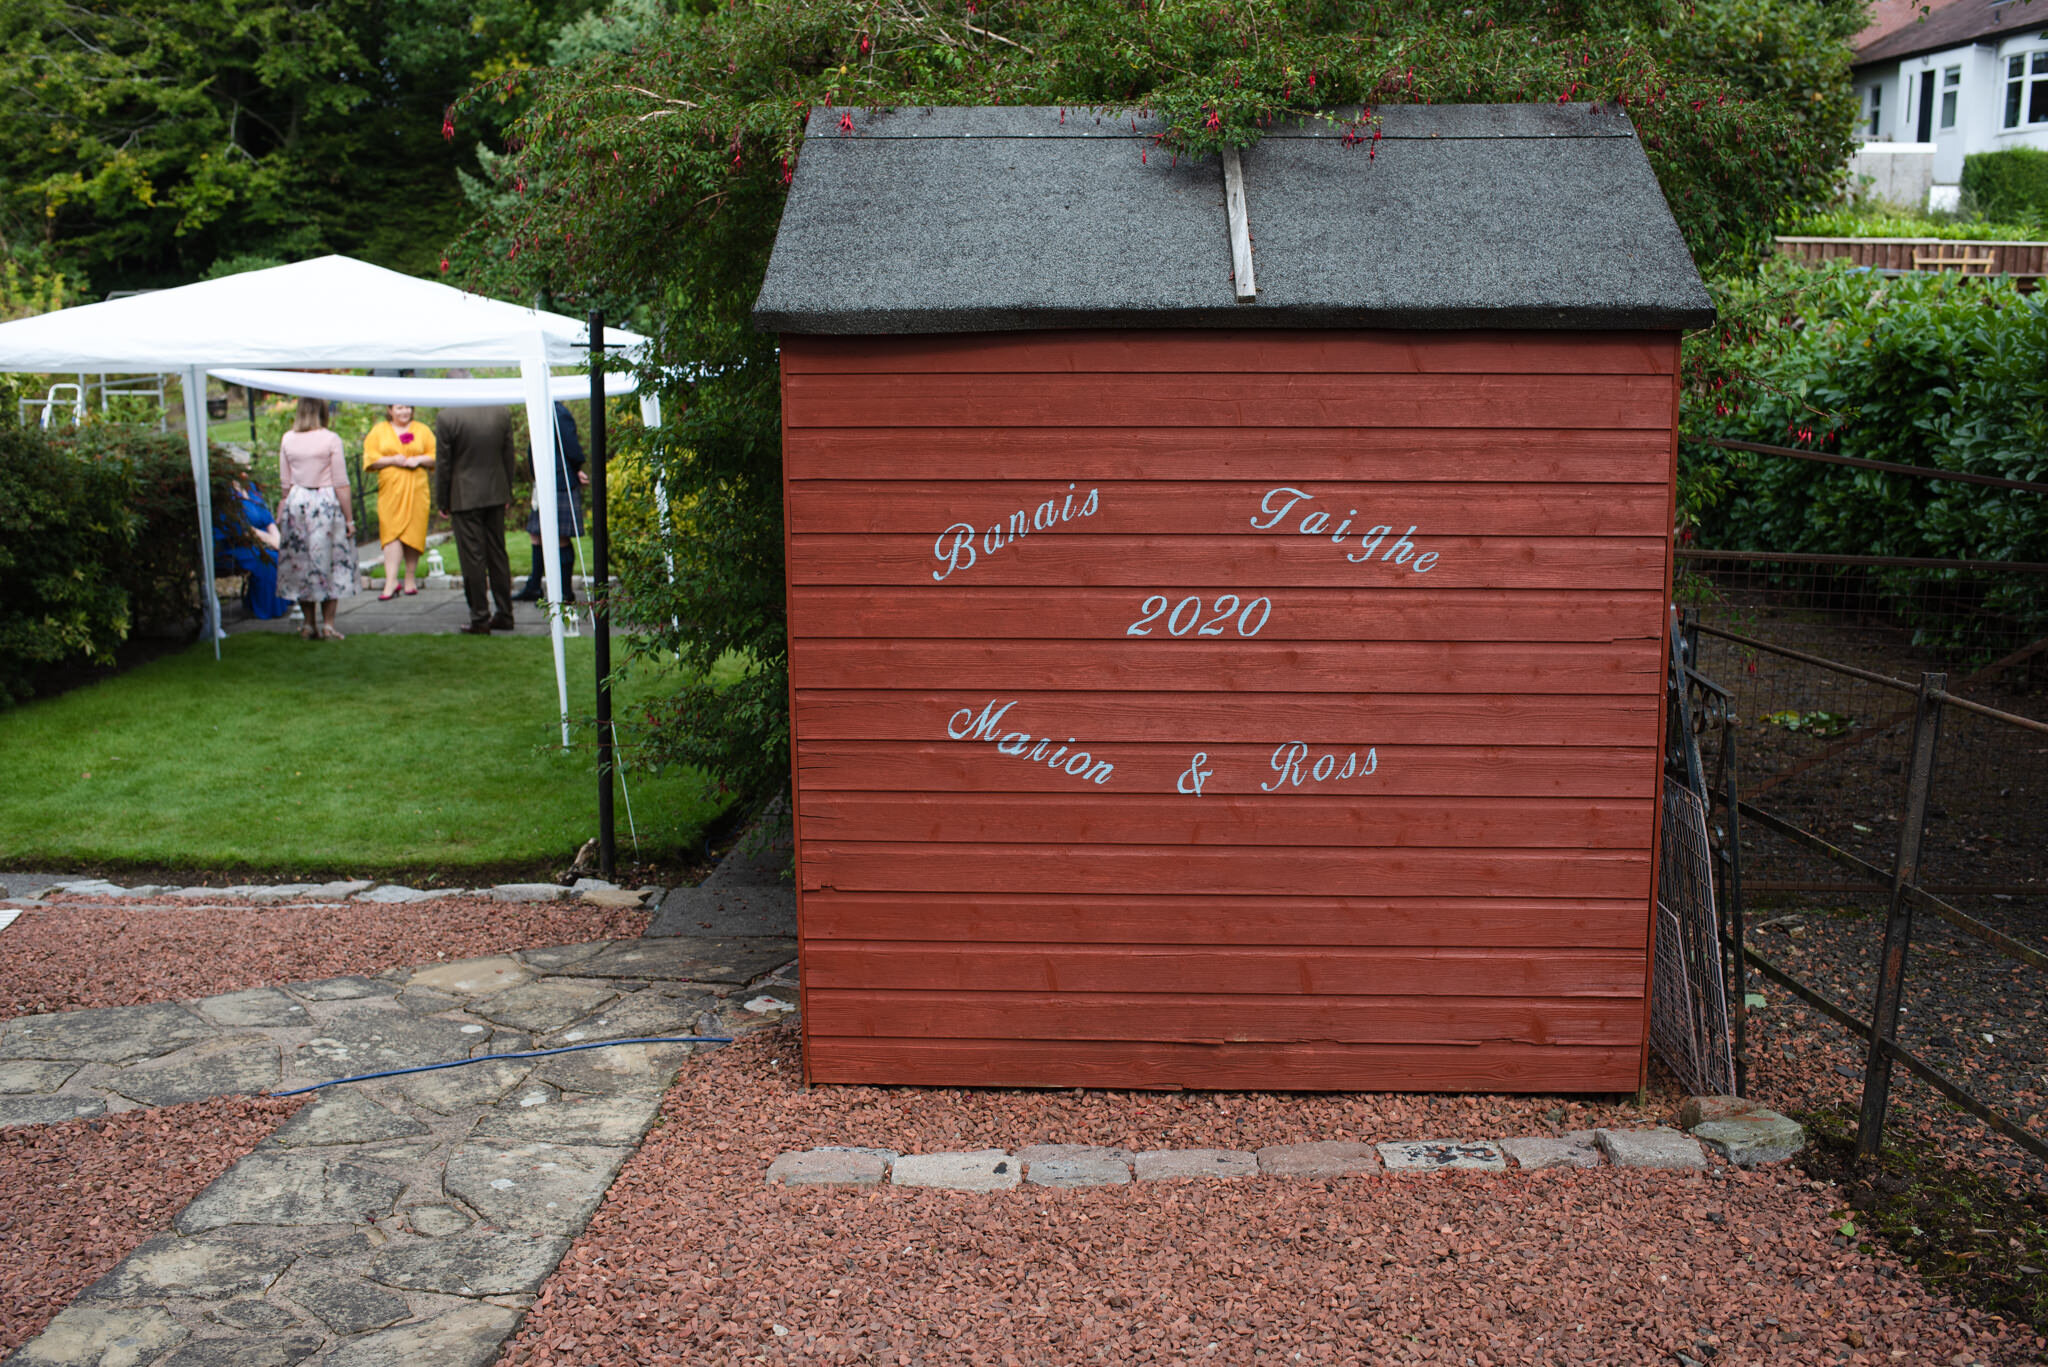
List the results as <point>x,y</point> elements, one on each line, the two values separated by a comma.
<point>1461,216</point>
<point>1955,24</point>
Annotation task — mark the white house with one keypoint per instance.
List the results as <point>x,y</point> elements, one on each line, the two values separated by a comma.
<point>1970,77</point>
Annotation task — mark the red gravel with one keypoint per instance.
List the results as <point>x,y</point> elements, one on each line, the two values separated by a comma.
<point>76,1198</point>
<point>693,1260</point>
<point>77,953</point>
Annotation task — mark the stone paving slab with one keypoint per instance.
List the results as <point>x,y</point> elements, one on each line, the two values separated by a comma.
<point>1537,1152</point>
<point>1438,1155</point>
<point>830,1167</point>
<point>1162,1165</point>
<point>982,1170</point>
<point>1651,1149</point>
<point>1075,1165</point>
<point>1328,1158</point>
<point>1741,1131</point>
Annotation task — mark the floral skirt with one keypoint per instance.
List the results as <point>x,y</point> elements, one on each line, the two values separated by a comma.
<point>317,560</point>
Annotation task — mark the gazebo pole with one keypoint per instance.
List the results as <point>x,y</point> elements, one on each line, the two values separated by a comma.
<point>600,600</point>
<point>202,480</point>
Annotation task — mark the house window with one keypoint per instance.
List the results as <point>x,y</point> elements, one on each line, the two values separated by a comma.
<point>1876,108</point>
<point>2026,88</point>
<point>1951,86</point>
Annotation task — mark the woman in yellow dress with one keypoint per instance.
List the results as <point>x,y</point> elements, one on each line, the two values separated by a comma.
<point>401,451</point>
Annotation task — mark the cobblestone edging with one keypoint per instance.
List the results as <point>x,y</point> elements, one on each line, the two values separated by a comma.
<point>591,891</point>
<point>1076,1165</point>
<point>407,1220</point>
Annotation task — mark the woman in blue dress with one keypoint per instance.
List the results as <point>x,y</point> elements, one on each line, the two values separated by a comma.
<point>257,560</point>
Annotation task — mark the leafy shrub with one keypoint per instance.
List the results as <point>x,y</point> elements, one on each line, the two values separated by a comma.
<point>1856,221</point>
<point>65,528</point>
<point>98,542</point>
<point>2011,185</point>
<point>1924,369</point>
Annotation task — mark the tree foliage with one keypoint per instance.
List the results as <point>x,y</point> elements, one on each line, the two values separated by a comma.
<point>141,140</point>
<point>658,174</point>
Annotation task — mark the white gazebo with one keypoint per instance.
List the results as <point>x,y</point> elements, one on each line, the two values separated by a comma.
<point>330,313</point>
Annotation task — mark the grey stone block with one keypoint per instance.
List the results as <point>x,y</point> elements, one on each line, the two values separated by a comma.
<point>33,1075</point>
<point>616,898</point>
<point>349,1305</point>
<point>1075,1165</point>
<point>495,1263</point>
<point>107,1034</point>
<point>337,891</point>
<point>981,1170</point>
<point>642,1015</point>
<point>391,893</point>
<point>270,1187</point>
<point>210,1267</point>
<point>345,988</point>
<point>1325,1158</point>
<point>735,910</point>
<point>257,1006</point>
<point>343,1115</point>
<point>48,1110</point>
<point>555,958</point>
<point>468,1336</point>
<point>1439,1155</point>
<point>529,892</point>
<point>537,1187</point>
<point>1536,1152</point>
<point>1651,1149</point>
<point>830,1167</point>
<point>279,1350</point>
<point>545,1006</point>
<point>621,1067</point>
<point>435,1221</point>
<point>731,960</point>
<point>102,1336</point>
<point>1742,1131</point>
<point>368,1039</point>
<point>619,1118</point>
<point>1159,1165</point>
<point>222,1068</point>
<point>253,1314</point>
<point>471,977</point>
<point>450,1090</point>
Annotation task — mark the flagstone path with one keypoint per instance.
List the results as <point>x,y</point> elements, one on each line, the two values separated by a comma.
<point>406,1220</point>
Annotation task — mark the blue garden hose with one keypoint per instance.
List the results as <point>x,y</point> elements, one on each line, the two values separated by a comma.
<point>486,1058</point>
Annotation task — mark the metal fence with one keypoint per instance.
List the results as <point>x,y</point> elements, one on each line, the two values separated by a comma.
<point>1876,740</point>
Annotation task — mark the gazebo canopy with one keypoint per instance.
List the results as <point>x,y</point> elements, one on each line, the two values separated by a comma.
<point>331,312</point>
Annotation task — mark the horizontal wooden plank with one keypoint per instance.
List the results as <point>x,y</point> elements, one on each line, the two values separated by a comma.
<point>1228,400</point>
<point>1294,455</point>
<point>1237,350</point>
<point>894,866</point>
<point>1238,666</point>
<point>1341,816</point>
<point>1187,507</point>
<point>1250,1067</point>
<point>1219,1018</point>
<point>1250,919</point>
<point>1252,718</point>
<point>1009,612</point>
<point>1588,771</point>
<point>1079,558</point>
<point>1321,970</point>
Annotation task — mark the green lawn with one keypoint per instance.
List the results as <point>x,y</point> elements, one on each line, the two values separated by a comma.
<point>377,755</point>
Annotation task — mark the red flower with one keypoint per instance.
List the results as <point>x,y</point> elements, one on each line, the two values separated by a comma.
<point>846,123</point>
<point>444,265</point>
<point>404,437</point>
<point>448,124</point>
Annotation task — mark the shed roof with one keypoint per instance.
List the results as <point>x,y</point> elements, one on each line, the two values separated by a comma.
<point>1464,216</point>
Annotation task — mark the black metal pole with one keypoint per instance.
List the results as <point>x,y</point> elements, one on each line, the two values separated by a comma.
<point>600,599</point>
<point>1738,934</point>
<point>1898,925</point>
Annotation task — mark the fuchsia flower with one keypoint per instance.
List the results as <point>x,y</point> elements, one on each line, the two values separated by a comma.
<point>404,437</point>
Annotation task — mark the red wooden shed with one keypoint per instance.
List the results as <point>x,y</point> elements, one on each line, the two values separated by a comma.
<point>1223,672</point>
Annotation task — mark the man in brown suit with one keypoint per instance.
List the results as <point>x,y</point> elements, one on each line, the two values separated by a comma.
<point>473,471</point>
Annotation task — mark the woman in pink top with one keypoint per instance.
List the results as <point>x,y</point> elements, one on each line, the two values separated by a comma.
<point>317,560</point>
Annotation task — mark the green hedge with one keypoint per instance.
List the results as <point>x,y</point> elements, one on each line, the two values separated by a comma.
<point>98,541</point>
<point>1921,369</point>
<point>2011,185</point>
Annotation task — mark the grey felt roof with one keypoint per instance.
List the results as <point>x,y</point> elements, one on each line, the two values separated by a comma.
<point>964,220</point>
